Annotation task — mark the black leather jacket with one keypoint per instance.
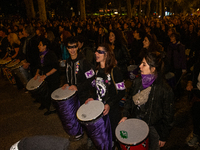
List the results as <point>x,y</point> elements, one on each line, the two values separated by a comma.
<point>157,111</point>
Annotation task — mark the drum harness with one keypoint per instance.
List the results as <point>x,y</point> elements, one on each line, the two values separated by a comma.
<point>143,94</point>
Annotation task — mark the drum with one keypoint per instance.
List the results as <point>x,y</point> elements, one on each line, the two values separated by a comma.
<point>41,142</point>
<point>23,74</point>
<point>12,63</point>
<point>67,103</point>
<point>97,126</point>
<point>91,112</point>
<point>37,88</point>
<point>5,61</point>
<point>133,134</point>
<point>133,71</point>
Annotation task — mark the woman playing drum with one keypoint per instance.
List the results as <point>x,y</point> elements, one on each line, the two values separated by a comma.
<point>151,99</point>
<point>12,54</point>
<point>110,88</point>
<point>48,70</point>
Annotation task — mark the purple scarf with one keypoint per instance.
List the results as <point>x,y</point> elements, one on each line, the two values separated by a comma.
<point>42,54</point>
<point>147,80</point>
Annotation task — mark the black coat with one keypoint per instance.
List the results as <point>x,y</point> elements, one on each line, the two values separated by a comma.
<point>123,58</point>
<point>76,74</point>
<point>157,111</point>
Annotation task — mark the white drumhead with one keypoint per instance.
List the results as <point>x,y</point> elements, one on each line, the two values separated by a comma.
<point>33,84</point>
<point>132,131</point>
<point>90,111</point>
<point>60,94</point>
<point>17,66</point>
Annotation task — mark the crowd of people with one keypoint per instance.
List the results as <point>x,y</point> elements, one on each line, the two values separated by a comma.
<point>96,53</point>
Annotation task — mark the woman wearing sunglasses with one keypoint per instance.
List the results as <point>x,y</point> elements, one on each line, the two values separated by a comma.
<point>110,88</point>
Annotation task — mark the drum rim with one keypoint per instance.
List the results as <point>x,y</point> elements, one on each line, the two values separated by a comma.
<point>19,65</point>
<point>35,90</point>
<point>75,92</point>
<point>57,100</point>
<point>13,62</point>
<point>37,86</point>
<point>138,142</point>
<point>92,121</point>
<point>134,144</point>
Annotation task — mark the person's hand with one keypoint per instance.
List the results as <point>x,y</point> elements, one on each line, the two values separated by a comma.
<point>89,99</point>
<point>26,65</point>
<point>162,143</point>
<point>42,78</point>
<point>189,86</point>
<point>64,86</point>
<point>73,87</point>
<point>36,76</point>
<point>106,109</point>
<point>122,120</point>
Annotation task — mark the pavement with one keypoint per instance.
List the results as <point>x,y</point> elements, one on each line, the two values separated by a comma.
<point>20,117</point>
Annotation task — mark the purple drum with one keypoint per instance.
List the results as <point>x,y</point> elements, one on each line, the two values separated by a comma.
<point>97,126</point>
<point>67,103</point>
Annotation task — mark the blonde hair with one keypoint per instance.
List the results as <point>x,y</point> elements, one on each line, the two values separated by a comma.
<point>14,39</point>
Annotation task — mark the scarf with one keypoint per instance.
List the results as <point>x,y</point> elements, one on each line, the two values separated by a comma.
<point>147,80</point>
<point>42,54</point>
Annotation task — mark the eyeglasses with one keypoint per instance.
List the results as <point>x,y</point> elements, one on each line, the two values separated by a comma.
<point>101,52</point>
<point>69,47</point>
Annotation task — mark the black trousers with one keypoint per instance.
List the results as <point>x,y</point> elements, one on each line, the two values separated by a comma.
<point>115,116</point>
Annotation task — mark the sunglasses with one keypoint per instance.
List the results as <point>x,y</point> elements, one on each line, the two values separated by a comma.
<point>101,52</point>
<point>69,47</point>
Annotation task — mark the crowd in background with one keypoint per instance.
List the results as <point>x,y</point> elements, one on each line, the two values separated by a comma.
<point>176,38</point>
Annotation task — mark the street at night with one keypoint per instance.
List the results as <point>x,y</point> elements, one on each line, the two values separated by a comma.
<point>21,118</point>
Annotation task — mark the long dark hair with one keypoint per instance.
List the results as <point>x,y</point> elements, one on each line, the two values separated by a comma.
<point>119,38</point>
<point>110,58</point>
<point>153,43</point>
<point>155,59</point>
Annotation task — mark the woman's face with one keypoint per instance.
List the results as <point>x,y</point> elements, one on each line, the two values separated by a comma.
<point>173,39</point>
<point>145,68</point>
<point>41,47</point>
<point>112,37</point>
<point>100,55</point>
<point>38,32</point>
<point>146,43</point>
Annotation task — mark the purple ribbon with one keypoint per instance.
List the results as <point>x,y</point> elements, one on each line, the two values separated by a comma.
<point>42,54</point>
<point>100,133</point>
<point>67,112</point>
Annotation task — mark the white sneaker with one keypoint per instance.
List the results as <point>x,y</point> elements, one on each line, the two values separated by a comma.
<point>193,141</point>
